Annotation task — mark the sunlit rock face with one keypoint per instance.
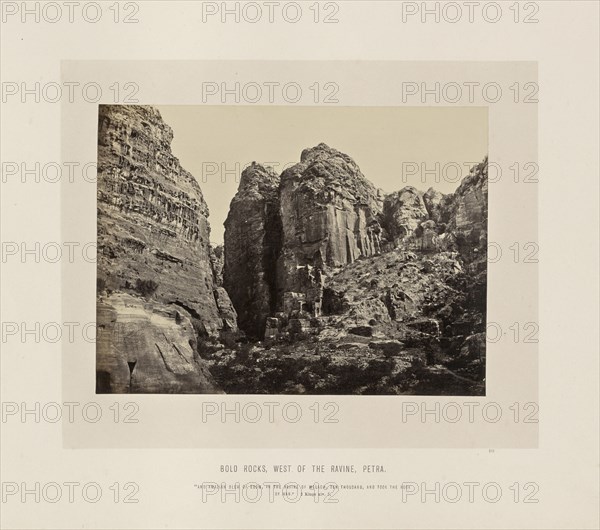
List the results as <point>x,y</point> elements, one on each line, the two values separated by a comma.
<point>466,214</point>
<point>329,216</point>
<point>147,347</point>
<point>329,209</point>
<point>153,230</point>
<point>403,213</point>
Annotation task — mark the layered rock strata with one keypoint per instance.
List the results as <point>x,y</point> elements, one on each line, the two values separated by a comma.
<point>329,216</point>
<point>322,213</point>
<point>153,237</point>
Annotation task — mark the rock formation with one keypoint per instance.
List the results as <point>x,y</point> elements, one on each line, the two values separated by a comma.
<point>466,214</point>
<point>147,347</point>
<point>400,277</point>
<point>322,213</point>
<point>252,246</point>
<point>153,244</point>
<point>403,213</point>
<point>329,216</point>
<point>217,260</point>
<point>433,202</point>
<point>335,286</point>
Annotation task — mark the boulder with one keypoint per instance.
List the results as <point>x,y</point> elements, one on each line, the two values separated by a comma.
<point>388,347</point>
<point>425,325</point>
<point>473,347</point>
<point>362,331</point>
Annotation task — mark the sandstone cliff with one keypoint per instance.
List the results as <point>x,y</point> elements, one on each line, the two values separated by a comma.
<point>147,347</point>
<point>329,211</point>
<point>433,202</point>
<point>336,287</point>
<point>281,234</point>
<point>403,213</point>
<point>466,214</point>
<point>153,244</point>
<point>374,294</point>
<point>252,247</point>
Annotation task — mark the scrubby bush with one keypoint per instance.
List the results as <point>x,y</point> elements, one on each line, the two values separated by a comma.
<point>146,287</point>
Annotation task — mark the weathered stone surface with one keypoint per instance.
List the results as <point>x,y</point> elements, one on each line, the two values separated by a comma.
<point>273,327</point>
<point>252,246</point>
<point>153,247</point>
<point>426,325</point>
<point>329,214</point>
<point>157,341</point>
<point>226,309</point>
<point>388,347</point>
<point>474,347</point>
<point>403,213</point>
<point>152,217</point>
<point>355,292</point>
<point>217,260</point>
<point>433,200</point>
<point>466,212</point>
<point>363,331</point>
<point>425,238</point>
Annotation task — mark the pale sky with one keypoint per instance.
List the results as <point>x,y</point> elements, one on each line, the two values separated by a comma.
<point>390,144</point>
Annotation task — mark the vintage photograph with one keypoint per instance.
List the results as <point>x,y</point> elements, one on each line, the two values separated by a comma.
<point>292,250</point>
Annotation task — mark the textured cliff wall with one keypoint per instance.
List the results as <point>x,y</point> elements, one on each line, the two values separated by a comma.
<point>144,346</point>
<point>407,319</point>
<point>466,214</point>
<point>322,214</point>
<point>153,231</point>
<point>403,213</point>
<point>329,210</point>
<point>329,215</point>
<point>433,200</point>
<point>430,221</point>
<point>252,246</point>
<point>317,260</point>
<point>282,233</point>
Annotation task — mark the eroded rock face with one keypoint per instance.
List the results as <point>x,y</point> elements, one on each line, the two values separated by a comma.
<point>282,234</point>
<point>147,347</point>
<point>433,203</point>
<point>403,213</point>
<point>152,217</point>
<point>466,211</point>
<point>352,291</point>
<point>328,207</point>
<point>153,237</point>
<point>406,318</point>
<point>329,215</point>
<point>217,259</point>
<point>252,247</point>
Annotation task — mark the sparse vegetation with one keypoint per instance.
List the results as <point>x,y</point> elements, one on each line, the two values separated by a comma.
<point>146,287</point>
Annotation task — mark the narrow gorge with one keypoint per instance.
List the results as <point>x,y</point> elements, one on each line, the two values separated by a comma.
<point>325,284</point>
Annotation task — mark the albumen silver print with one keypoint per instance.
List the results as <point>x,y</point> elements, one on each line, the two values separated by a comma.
<point>322,283</point>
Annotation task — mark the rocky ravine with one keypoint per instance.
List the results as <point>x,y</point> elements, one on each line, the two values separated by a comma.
<point>337,287</point>
<point>157,291</point>
<point>371,293</point>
